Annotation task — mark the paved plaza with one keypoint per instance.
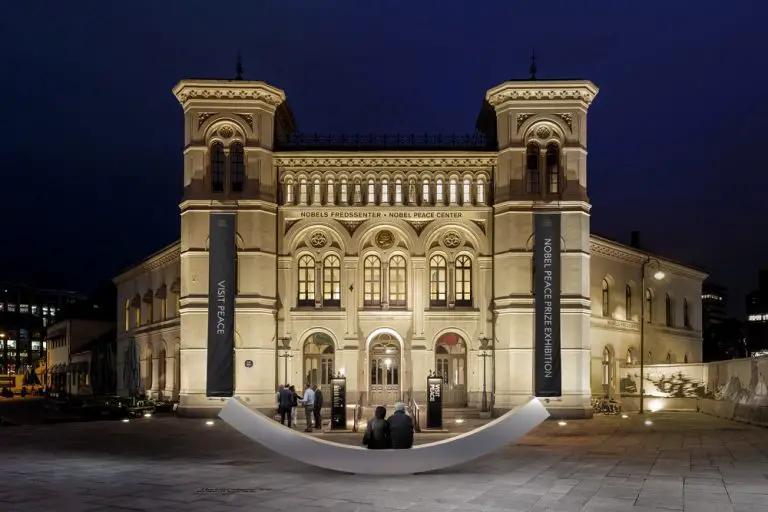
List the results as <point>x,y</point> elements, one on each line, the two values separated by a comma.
<point>684,461</point>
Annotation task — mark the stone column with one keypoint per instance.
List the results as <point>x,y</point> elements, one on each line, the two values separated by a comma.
<point>417,299</point>
<point>155,376</point>
<point>385,284</point>
<point>351,295</point>
<point>318,284</point>
<point>450,284</point>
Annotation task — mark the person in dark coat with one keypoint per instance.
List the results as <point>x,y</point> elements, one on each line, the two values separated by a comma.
<point>318,405</point>
<point>286,404</point>
<point>400,428</point>
<point>377,432</point>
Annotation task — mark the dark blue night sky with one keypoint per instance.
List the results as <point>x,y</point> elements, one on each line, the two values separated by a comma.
<point>91,134</point>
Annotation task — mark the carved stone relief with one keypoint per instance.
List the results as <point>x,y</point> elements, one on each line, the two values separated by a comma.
<point>385,239</point>
<point>451,240</point>
<point>318,240</point>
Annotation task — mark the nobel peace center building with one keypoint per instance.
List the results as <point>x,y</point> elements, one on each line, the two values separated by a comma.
<point>389,259</point>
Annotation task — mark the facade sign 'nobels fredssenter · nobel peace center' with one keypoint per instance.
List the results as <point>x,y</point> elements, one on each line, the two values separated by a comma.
<point>387,260</point>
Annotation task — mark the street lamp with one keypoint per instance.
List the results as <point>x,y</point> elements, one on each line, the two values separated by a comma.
<point>485,347</point>
<point>658,276</point>
<point>285,341</point>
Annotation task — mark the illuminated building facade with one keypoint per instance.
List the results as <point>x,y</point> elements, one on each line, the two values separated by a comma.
<point>386,259</point>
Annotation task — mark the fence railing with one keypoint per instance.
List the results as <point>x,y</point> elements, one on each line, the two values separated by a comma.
<point>304,141</point>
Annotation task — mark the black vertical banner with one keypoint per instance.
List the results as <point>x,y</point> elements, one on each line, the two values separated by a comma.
<point>546,257</point>
<point>222,261</point>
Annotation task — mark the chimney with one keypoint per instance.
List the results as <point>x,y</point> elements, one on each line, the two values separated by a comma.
<point>634,239</point>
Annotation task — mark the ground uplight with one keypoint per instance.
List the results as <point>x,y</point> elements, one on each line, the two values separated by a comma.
<point>147,414</point>
<point>459,420</point>
<point>624,416</point>
<point>126,420</point>
<point>209,423</point>
<point>562,423</point>
<point>648,423</point>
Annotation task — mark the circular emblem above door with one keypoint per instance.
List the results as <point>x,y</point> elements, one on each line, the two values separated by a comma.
<point>385,239</point>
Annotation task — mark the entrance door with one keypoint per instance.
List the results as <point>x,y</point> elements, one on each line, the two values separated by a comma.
<point>451,365</point>
<point>385,371</point>
<point>318,363</point>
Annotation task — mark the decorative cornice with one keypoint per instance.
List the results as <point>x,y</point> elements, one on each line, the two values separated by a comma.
<point>578,90</point>
<point>603,247</point>
<point>187,90</point>
<point>161,259</point>
<point>384,161</point>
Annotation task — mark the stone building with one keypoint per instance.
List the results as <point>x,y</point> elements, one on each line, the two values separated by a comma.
<point>386,259</point>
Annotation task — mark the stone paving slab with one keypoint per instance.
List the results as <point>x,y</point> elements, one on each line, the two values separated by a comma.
<point>684,461</point>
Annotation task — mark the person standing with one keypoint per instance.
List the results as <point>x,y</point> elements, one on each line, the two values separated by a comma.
<point>308,401</point>
<point>286,405</point>
<point>318,406</point>
<point>294,404</point>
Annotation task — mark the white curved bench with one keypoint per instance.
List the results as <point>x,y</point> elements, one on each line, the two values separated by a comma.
<point>359,460</point>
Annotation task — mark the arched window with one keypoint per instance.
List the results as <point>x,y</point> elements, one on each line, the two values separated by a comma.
<point>397,281</point>
<point>438,281</point>
<point>453,191</point>
<point>330,196</point>
<point>385,191</point>
<point>306,281</point>
<point>357,192</point>
<point>398,191</point>
<point>532,168</point>
<point>628,303</point>
<point>371,192</point>
<point>164,308</point>
<point>137,316</point>
<point>466,192</point>
<point>648,306</point>
<point>606,369</point>
<point>553,169</point>
<point>439,197</point>
<point>289,199</point>
<point>480,191</point>
<point>686,314</point>
<point>218,167</point>
<point>127,315</point>
<point>630,359</point>
<point>237,167</point>
<point>343,199</point>
<point>331,281</point>
<point>303,191</point>
<point>669,311</point>
<point>372,281</point>
<point>425,192</point>
<point>463,281</point>
<point>316,191</point>
<point>412,195</point>
<point>606,298</point>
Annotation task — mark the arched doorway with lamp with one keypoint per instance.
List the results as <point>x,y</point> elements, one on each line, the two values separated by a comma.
<point>319,360</point>
<point>385,370</point>
<point>451,365</point>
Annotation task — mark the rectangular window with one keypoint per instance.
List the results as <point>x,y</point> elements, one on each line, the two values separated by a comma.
<point>453,192</point>
<point>11,308</point>
<point>466,193</point>
<point>35,309</point>
<point>289,193</point>
<point>384,192</point>
<point>439,191</point>
<point>425,192</point>
<point>330,198</point>
<point>371,193</point>
<point>23,308</point>
<point>398,192</point>
<point>343,199</point>
<point>481,192</point>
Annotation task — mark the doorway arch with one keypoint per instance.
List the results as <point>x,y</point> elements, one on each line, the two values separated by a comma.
<point>319,361</point>
<point>451,365</point>
<point>385,371</point>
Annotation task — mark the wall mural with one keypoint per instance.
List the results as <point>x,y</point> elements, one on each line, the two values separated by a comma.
<point>743,381</point>
<point>661,382</point>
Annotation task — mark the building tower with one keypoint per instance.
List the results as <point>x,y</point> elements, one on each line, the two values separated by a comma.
<point>541,129</point>
<point>229,132</point>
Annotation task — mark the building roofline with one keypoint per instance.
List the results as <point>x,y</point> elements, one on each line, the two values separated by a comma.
<point>167,251</point>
